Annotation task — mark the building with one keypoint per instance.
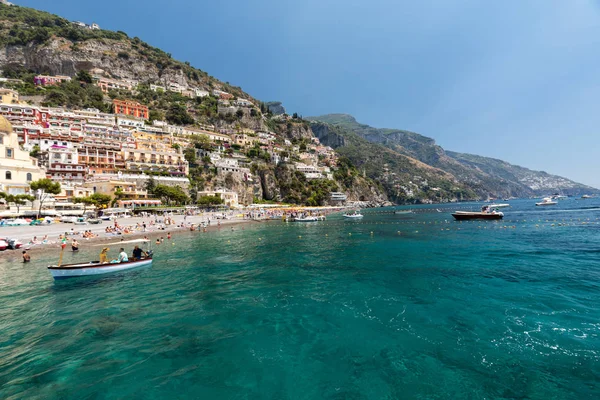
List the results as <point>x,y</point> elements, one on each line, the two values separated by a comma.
<point>128,190</point>
<point>17,168</point>
<point>141,179</point>
<point>63,165</point>
<point>200,92</point>
<point>130,123</point>
<point>20,114</point>
<point>9,96</point>
<point>222,95</point>
<point>243,103</point>
<point>49,80</point>
<point>156,88</point>
<point>230,198</point>
<point>130,108</point>
<point>107,85</point>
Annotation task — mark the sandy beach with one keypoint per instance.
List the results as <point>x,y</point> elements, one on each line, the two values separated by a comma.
<point>26,234</point>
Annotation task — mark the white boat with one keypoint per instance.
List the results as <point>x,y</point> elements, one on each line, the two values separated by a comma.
<point>546,201</point>
<point>499,205</point>
<point>92,268</point>
<point>403,212</point>
<point>586,196</point>
<point>354,215</point>
<point>308,218</point>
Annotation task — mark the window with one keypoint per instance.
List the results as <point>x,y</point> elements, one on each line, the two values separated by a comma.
<point>8,175</point>
<point>29,177</point>
<point>10,153</point>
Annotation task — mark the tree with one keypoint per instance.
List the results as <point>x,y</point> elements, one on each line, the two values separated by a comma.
<point>190,155</point>
<point>35,151</point>
<point>151,185</point>
<point>171,194</point>
<point>209,200</point>
<point>178,115</point>
<point>21,200</point>
<point>44,188</point>
<point>86,201</point>
<point>84,76</point>
<point>202,142</point>
<point>101,200</point>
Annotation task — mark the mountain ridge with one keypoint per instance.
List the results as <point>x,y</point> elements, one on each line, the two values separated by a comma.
<point>483,174</point>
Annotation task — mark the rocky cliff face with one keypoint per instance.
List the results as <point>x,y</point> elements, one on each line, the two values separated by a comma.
<point>485,176</point>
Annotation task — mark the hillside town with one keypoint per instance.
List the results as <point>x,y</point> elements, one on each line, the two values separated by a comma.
<point>121,154</point>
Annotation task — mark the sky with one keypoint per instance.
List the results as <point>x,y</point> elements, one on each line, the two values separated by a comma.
<point>517,80</point>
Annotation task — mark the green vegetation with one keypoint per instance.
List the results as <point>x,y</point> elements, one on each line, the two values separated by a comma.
<point>75,94</point>
<point>170,194</point>
<point>45,187</point>
<point>17,199</point>
<point>209,200</point>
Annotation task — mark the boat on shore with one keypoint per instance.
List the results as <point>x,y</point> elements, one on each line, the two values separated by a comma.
<point>91,268</point>
<point>546,201</point>
<point>486,213</point>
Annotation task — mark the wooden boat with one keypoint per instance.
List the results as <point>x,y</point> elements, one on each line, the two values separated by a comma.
<point>468,215</point>
<point>63,271</point>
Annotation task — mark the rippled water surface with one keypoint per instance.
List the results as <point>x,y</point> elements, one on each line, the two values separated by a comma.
<point>396,306</point>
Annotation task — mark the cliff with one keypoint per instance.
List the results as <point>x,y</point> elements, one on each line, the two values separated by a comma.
<point>483,175</point>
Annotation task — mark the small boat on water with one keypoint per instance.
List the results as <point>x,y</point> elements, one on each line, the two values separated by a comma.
<point>546,201</point>
<point>354,215</point>
<point>486,213</point>
<point>90,268</point>
<point>401,212</point>
<point>499,205</point>
<point>586,196</point>
<point>308,218</point>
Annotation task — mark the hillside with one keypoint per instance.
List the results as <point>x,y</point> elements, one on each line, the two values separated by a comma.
<point>485,176</point>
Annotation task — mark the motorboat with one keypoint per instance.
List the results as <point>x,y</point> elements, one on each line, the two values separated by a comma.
<point>586,196</point>
<point>80,221</point>
<point>486,213</point>
<point>499,205</point>
<point>401,212</point>
<point>91,268</point>
<point>308,218</point>
<point>546,201</point>
<point>354,215</point>
<point>13,244</point>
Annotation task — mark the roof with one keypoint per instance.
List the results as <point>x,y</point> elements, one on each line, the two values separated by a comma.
<point>5,126</point>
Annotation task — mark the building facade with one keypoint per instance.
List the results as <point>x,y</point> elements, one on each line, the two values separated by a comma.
<point>130,108</point>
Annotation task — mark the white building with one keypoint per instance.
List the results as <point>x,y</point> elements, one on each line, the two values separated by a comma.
<point>17,168</point>
<point>230,198</point>
<point>130,123</point>
<point>156,88</point>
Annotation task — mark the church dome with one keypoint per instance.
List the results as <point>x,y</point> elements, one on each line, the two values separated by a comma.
<point>5,126</point>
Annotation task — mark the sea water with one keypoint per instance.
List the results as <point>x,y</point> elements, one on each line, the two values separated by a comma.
<point>390,307</point>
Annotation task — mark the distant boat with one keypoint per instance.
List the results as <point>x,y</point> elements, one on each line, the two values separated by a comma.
<point>546,201</point>
<point>586,196</point>
<point>486,213</point>
<point>403,212</point>
<point>308,218</point>
<point>499,205</point>
<point>468,215</point>
<point>354,215</point>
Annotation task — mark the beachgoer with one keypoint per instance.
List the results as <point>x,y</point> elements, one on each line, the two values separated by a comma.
<point>104,255</point>
<point>162,239</point>
<point>26,257</point>
<point>122,256</point>
<point>75,245</point>
<point>157,241</point>
<point>169,235</point>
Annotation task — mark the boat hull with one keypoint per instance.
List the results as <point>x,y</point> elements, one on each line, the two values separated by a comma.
<point>402,212</point>
<point>353,216</point>
<point>464,216</point>
<point>91,269</point>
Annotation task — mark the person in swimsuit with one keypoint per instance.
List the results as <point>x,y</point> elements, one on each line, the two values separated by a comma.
<point>26,257</point>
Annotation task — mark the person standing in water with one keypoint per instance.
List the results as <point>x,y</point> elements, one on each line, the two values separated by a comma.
<point>26,257</point>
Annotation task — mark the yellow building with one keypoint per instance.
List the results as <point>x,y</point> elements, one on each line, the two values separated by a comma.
<point>129,190</point>
<point>9,96</point>
<point>17,168</point>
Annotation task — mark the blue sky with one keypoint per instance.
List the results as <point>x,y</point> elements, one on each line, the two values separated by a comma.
<point>516,80</point>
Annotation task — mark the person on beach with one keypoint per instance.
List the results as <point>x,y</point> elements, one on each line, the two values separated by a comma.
<point>104,255</point>
<point>26,257</point>
<point>169,235</point>
<point>75,245</point>
<point>157,241</point>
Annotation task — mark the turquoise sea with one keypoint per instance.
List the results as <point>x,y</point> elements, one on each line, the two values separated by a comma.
<point>394,307</point>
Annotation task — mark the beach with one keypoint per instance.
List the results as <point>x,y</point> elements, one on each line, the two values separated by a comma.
<point>26,234</point>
